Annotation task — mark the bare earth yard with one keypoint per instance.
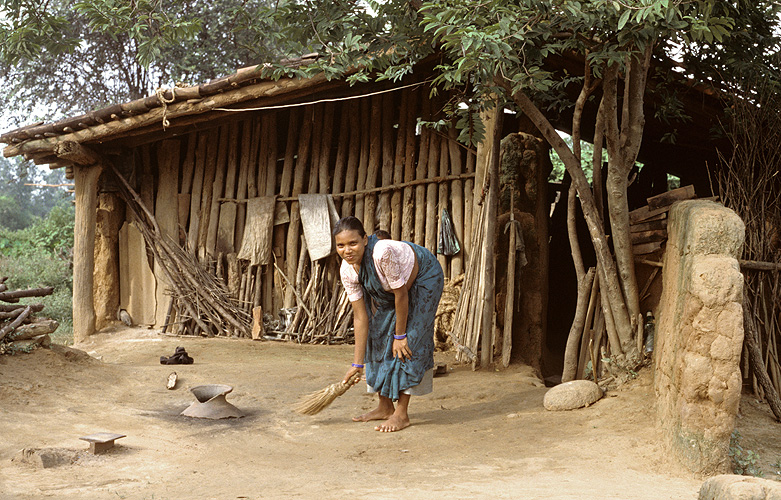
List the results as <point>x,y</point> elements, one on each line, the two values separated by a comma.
<point>480,434</point>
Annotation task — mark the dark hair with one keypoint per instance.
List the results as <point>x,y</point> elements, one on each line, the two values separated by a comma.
<point>349,223</point>
<point>382,234</point>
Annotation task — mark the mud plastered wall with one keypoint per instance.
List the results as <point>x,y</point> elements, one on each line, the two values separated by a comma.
<point>700,334</point>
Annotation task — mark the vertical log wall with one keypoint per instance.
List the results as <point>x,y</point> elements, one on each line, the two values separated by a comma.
<point>369,153</point>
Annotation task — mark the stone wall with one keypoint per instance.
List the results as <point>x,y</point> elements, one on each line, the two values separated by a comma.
<point>700,334</point>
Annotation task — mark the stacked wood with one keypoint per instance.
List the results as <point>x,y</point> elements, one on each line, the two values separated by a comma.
<point>648,224</point>
<point>20,332</point>
<point>201,301</point>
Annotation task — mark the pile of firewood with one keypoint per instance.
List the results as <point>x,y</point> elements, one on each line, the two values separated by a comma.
<point>19,331</point>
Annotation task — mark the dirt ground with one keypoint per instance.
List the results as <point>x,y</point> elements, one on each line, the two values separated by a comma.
<point>480,434</point>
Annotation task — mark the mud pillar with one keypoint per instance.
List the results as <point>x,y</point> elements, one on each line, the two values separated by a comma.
<point>700,334</point>
<point>110,216</point>
<point>524,169</point>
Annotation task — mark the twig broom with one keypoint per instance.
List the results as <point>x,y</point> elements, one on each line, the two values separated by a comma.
<point>318,401</point>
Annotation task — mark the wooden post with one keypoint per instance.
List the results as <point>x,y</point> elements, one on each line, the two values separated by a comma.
<point>195,196</point>
<point>302,164</point>
<point>271,300</point>
<point>375,151</point>
<point>444,165</point>
<point>227,223</point>
<point>398,167</point>
<point>408,207</point>
<point>492,202</point>
<point>217,190</point>
<point>351,175</point>
<point>431,193</point>
<point>457,200</point>
<point>208,182</point>
<point>324,163</point>
<point>387,161</point>
<point>420,173</point>
<point>241,189</point>
<point>363,163</point>
<point>86,179</point>
<point>340,164</point>
<point>469,188</point>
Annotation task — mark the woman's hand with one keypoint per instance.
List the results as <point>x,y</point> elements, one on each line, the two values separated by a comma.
<point>352,371</point>
<point>401,350</point>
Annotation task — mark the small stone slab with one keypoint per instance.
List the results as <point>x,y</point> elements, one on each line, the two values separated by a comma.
<point>101,441</point>
<point>734,487</point>
<point>571,395</point>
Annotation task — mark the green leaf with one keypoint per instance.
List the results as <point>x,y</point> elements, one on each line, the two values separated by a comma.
<point>624,18</point>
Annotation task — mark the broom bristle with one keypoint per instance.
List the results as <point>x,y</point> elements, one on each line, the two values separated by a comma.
<point>318,401</point>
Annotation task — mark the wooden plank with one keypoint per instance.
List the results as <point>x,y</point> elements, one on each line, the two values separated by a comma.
<point>649,225</point>
<point>670,197</point>
<point>135,277</point>
<point>645,214</point>
<point>648,236</point>
<point>167,215</point>
<point>645,248</point>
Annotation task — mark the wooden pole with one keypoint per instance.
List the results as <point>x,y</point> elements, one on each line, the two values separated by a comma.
<point>167,216</point>
<point>375,152</point>
<point>243,182</point>
<point>197,191</point>
<point>324,166</point>
<point>226,226</point>
<point>363,162</point>
<point>432,221</point>
<point>408,207</point>
<point>86,180</point>
<point>387,161</point>
<point>354,152</point>
<point>208,182</point>
<point>340,164</point>
<point>492,202</point>
<point>457,199</point>
<point>218,187</point>
<point>469,188</point>
<point>444,165</point>
<point>272,295</point>
<point>302,165</point>
<point>398,166</point>
<point>420,173</point>
<point>509,304</point>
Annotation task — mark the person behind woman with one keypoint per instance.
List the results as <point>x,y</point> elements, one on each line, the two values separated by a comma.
<point>394,288</point>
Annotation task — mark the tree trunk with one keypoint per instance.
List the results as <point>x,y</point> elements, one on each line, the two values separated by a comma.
<point>757,363</point>
<point>585,283</point>
<point>609,279</point>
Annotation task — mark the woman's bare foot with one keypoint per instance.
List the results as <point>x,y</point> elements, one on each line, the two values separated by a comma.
<point>393,424</point>
<point>378,413</point>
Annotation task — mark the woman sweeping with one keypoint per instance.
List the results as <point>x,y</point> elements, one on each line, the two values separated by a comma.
<point>394,288</point>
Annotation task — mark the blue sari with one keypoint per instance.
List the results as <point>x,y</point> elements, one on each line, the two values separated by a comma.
<point>384,373</point>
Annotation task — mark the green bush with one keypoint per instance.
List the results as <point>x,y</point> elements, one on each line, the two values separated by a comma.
<point>39,256</point>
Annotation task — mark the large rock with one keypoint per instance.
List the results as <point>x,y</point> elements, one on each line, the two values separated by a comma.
<point>732,487</point>
<point>571,395</point>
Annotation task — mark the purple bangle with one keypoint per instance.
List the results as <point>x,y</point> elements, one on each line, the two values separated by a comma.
<point>400,337</point>
<point>356,365</point>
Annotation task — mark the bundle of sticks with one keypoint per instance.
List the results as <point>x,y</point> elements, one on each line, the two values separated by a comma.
<point>19,331</point>
<point>199,298</point>
<point>324,314</point>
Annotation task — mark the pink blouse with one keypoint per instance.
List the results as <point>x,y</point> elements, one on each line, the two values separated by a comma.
<point>394,261</point>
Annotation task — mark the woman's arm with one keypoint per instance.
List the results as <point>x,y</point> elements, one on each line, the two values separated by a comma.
<point>361,327</point>
<point>401,348</point>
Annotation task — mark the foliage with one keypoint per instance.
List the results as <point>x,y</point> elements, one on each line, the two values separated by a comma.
<point>41,255</point>
<point>100,52</point>
<point>744,462</point>
<point>20,204</point>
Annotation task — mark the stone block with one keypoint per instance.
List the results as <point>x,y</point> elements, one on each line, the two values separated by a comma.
<point>571,395</point>
<point>734,487</point>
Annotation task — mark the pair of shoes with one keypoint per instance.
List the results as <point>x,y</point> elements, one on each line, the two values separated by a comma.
<point>179,357</point>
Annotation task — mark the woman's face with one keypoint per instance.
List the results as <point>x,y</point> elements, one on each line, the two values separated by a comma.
<point>350,246</point>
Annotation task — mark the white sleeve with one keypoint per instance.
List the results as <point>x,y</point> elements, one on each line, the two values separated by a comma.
<point>350,282</point>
